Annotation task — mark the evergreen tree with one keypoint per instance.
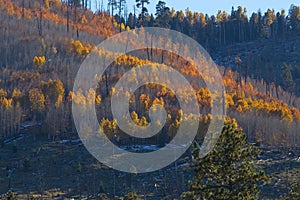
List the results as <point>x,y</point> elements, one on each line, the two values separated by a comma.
<point>10,195</point>
<point>294,193</point>
<point>144,11</point>
<point>162,15</point>
<point>227,172</point>
<point>288,82</point>
<point>294,14</point>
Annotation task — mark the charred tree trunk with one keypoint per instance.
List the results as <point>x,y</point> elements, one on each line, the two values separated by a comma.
<point>23,8</point>
<point>40,21</point>
<point>68,16</point>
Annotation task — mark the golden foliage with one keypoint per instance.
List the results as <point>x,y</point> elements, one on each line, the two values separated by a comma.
<point>57,13</point>
<point>47,4</point>
<point>79,48</point>
<point>39,60</point>
<point>37,100</point>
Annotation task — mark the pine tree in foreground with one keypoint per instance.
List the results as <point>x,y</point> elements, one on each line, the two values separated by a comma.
<point>228,171</point>
<point>294,193</point>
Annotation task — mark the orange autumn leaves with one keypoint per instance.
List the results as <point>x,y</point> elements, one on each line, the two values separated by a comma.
<point>239,97</point>
<point>56,11</point>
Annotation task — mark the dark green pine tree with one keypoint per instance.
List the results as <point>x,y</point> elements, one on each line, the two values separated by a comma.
<point>162,15</point>
<point>228,171</point>
<point>294,193</point>
<point>288,81</point>
<point>10,195</point>
<point>144,11</point>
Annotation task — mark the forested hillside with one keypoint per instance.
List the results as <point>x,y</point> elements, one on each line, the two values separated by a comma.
<point>43,43</point>
<point>39,69</point>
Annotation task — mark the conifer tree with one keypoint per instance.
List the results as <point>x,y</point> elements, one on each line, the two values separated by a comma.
<point>227,172</point>
<point>294,192</point>
<point>144,11</point>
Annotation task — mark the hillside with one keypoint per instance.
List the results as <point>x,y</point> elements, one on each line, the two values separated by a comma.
<point>42,47</point>
<point>263,59</point>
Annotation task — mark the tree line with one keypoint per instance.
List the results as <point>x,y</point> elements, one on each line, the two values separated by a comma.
<point>212,31</point>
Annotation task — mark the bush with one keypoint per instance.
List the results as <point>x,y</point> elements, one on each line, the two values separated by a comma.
<point>102,197</point>
<point>79,167</point>
<point>26,164</point>
<point>131,196</point>
<point>10,195</point>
